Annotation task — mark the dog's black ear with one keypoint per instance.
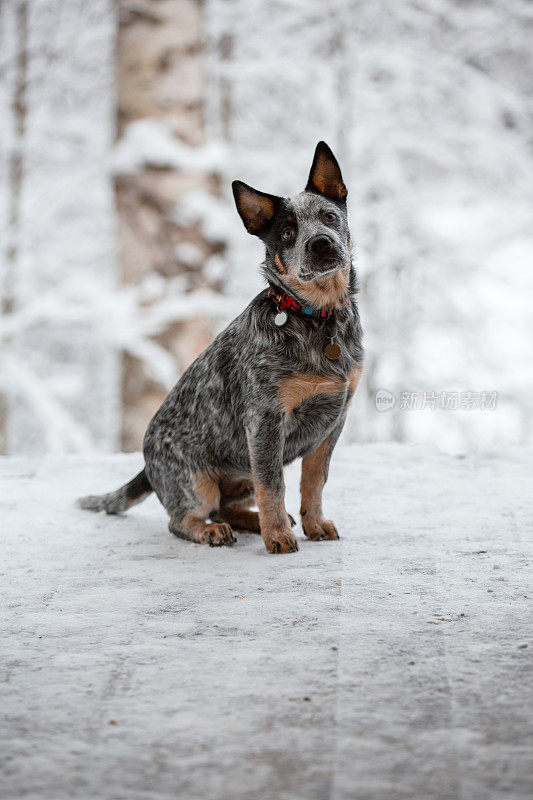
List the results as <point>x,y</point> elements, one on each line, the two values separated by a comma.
<point>325,177</point>
<point>256,209</point>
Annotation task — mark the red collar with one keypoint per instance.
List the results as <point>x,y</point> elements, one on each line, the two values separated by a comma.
<point>284,302</point>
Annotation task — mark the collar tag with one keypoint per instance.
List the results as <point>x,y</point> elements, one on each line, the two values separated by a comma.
<point>284,303</point>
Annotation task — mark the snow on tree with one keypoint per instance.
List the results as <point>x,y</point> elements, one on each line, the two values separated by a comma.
<point>68,325</point>
<point>428,106</point>
<point>59,378</point>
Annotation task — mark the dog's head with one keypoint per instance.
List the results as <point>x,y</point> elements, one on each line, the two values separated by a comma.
<point>307,241</point>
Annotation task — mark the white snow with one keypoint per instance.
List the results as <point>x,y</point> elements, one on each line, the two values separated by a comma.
<point>151,142</point>
<point>395,663</point>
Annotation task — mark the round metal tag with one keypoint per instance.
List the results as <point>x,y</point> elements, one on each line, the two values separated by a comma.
<point>280,319</point>
<point>332,351</point>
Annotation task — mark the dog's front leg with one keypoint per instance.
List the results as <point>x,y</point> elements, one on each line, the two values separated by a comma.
<point>315,466</point>
<point>265,442</point>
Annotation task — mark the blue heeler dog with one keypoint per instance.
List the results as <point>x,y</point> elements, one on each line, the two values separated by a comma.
<point>274,386</point>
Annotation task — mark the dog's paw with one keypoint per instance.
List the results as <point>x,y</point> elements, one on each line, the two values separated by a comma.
<point>319,530</point>
<point>281,541</point>
<point>217,535</point>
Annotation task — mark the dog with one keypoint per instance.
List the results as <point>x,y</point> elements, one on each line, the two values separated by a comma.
<point>274,386</point>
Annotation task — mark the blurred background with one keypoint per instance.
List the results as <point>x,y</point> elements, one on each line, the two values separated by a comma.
<point>121,255</point>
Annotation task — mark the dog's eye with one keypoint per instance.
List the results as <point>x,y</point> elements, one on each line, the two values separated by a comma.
<point>287,234</point>
<point>330,217</point>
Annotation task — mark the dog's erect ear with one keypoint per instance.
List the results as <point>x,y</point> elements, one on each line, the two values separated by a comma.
<point>325,177</point>
<point>256,209</point>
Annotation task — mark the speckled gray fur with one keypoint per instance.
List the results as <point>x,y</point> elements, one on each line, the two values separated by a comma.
<point>223,418</point>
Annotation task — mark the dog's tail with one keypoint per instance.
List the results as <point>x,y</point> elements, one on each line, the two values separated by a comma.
<point>128,495</point>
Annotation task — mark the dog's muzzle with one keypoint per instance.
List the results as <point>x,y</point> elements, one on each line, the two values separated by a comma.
<point>323,256</point>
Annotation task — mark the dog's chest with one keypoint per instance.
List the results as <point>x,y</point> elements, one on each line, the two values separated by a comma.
<point>313,405</point>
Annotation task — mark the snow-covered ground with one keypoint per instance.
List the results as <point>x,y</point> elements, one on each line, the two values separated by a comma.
<point>395,663</point>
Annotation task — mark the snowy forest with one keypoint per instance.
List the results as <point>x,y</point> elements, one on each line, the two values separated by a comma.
<point>121,253</point>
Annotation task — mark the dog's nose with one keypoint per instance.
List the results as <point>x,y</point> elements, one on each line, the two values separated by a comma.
<point>320,245</point>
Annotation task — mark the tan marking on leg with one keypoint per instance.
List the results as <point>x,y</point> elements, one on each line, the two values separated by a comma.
<point>325,292</point>
<point>312,482</point>
<point>279,263</point>
<point>194,525</point>
<point>302,386</point>
<point>311,486</point>
<point>274,521</point>
<point>207,490</point>
<point>271,508</point>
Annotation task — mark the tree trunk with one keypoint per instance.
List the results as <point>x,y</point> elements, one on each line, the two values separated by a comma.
<point>161,78</point>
